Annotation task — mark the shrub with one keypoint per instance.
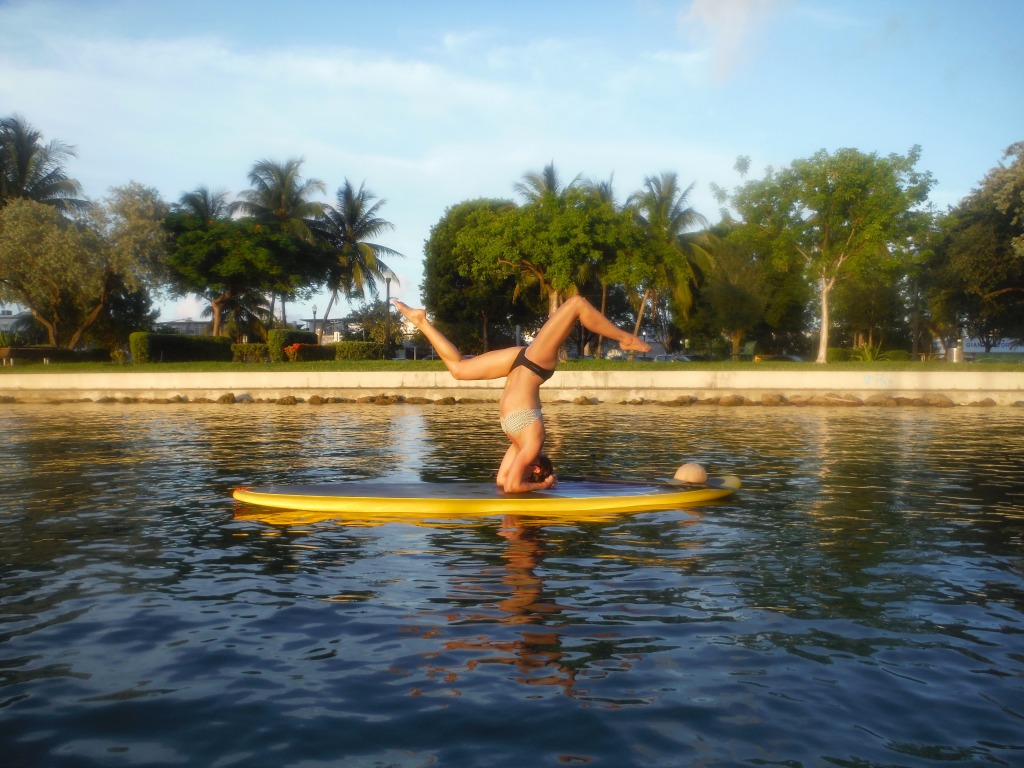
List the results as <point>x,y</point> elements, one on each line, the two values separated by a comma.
<point>837,355</point>
<point>358,350</point>
<point>12,339</point>
<point>175,348</point>
<point>300,353</point>
<point>279,338</point>
<point>250,353</point>
<point>93,355</point>
<point>870,354</point>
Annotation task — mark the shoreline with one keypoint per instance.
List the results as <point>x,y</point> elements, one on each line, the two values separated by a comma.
<point>708,387</point>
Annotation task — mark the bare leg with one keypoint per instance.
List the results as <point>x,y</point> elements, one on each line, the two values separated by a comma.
<point>490,365</point>
<point>544,349</point>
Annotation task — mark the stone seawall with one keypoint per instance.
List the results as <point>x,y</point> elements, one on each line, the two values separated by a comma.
<point>721,387</point>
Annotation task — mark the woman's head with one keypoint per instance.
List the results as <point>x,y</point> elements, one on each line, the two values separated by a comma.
<point>542,469</point>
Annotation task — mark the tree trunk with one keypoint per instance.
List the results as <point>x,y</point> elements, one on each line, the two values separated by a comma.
<point>640,317</point>
<point>640,312</point>
<point>217,307</point>
<point>89,320</point>
<point>554,300</point>
<point>737,341</point>
<point>826,287</point>
<point>51,328</point>
<point>604,310</point>
<point>323,321</point>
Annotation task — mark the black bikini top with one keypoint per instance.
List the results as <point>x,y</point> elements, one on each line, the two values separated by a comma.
<point>523,360</point>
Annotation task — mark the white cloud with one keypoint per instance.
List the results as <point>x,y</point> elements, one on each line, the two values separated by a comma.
<point>729,29</point>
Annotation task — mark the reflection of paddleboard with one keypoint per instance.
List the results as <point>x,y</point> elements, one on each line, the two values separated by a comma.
<point>413,500</point>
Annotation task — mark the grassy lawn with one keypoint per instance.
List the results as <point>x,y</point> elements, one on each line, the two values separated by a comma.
<point>991,363</point>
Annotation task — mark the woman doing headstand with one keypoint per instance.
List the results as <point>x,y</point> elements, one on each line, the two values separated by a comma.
<point>525,369</point>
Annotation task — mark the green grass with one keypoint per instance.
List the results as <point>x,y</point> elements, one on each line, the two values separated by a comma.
<point>993,363</point>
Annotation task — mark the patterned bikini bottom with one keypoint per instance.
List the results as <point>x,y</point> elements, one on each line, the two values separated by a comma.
<point>517,421</point>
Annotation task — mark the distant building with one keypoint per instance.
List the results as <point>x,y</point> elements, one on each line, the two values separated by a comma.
<point>188,326</point>
<point>9,318</point>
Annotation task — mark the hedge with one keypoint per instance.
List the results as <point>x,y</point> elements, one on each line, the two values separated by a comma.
<point>249,353</point>
<point>279,338</point>
<point>177,348</point>
<point>301,353</point>
<point>358,350</point>
<point>837,355</point>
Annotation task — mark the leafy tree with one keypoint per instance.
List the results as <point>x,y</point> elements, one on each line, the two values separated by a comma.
<point>246,315</point>
<point>979,259</point>
<point>547,185</point>
<point>840,213</point>
<point>531,242</point>
<point>204,204</point>
<point>470,305</point>
<point>281,200</point>
<point>667,265</point>
<point>736,290</point>
<point>222,259</point>
<point>65,271</point>
<point>126,311</point>
<point>131,221</point>
<point>1006,184</point>
<point>32,170</point>
<point>371,322</point>
<point>871,307</point>
<point>349,230</point>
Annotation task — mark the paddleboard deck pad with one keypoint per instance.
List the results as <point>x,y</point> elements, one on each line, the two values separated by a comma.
<point>377,499</point>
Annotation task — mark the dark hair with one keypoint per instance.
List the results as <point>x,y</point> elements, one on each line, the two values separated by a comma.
<point>543,469</point>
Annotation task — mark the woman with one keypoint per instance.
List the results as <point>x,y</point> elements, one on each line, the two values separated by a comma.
<point>525,369</point>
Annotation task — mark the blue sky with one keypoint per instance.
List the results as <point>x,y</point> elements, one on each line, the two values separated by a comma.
<point>432,103</point>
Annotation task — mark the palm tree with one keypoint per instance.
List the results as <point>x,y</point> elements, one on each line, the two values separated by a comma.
<point>35,171</point>
<point>242,315</point>
<point>203,204</point>
<point>200,217</point>
<point>348,229</point>
<point>537,187</point>
<point>282,199</point>
<point>664,210</point>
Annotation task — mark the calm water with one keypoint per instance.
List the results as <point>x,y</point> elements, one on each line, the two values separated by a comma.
<point>861,603</point>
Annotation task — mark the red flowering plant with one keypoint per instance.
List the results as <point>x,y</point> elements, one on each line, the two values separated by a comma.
<point>292,352</point>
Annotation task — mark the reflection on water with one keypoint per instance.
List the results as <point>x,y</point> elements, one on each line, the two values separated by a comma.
<point>857,604</point>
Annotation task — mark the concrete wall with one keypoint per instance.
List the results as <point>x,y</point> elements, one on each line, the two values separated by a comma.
<point>961,386</point>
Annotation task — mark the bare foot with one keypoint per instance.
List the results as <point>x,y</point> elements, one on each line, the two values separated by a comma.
<point>414,316</point>
<point>635,344</point>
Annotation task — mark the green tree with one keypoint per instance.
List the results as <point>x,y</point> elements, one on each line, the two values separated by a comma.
<point>473,307</point>
<point>979,259</point>
<point>222,259</point>
<point>65,271</point>
<point>370,319</point>
<point>839,212</point>
<point>281,200</point>
<point>32,170</point>
<point>243,316</point>
<point>668,265</point>
<point>736,290</point>
<point>126,311</point>
<point>349,230</point>
<point>1006,184</point>
<point>546,185</point>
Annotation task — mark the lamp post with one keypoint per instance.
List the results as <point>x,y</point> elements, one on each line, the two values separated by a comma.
<point>314,325</point>
<point>387,318</point>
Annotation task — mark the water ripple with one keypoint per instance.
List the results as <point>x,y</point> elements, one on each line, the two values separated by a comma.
<point>859,603</point>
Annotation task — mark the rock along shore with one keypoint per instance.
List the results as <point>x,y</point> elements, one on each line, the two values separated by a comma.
<point>972,387</point>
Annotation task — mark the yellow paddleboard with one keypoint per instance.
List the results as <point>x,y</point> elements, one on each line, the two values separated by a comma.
<point>382,500</point>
